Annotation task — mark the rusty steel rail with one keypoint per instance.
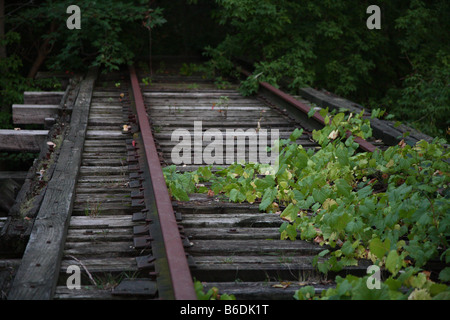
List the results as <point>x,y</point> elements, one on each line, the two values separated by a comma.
<point>180,274</point>
<point>365,145</point>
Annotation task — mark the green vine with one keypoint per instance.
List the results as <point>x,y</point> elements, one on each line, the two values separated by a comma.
<point>390,207</point>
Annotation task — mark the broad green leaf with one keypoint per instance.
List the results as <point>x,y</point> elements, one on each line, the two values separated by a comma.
<point>305,293</point>
<point>393,262</point>
<point>347,248</point>
<point>268,198</point>
<point>419,294</point>
<point>437,288</point>
<point>444,275</point>
<point>290,213</point>
<point>324,253</point>
<point>296,134</point>
<point>319,195</point>
<point>362,292</point>
<point>364,192</point>
<point>179,194</point>
<point>379,248</point>
<point>329,203</point>
<point>337,119</point>
<point>343,188</point>
<point>342,155</point>
<point>237,196</point>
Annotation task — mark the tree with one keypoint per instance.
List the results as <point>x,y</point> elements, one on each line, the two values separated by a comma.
<point>404,66</point>
<point>2,30</point>
<point>103,40</point>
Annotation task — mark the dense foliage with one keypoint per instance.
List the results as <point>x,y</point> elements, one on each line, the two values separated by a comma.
<point>103,39</point>
<point>404,67</point>
<point>389,206</point>
<point>34,37</point>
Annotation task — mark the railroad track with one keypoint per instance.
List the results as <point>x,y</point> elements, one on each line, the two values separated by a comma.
<point>125,234</point>
<point>231,246</point>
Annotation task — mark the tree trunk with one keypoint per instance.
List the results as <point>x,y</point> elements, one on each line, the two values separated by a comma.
<point>2,29</point>
<point>43,52</point>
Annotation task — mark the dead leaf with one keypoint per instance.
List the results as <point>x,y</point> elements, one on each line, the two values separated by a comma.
<point>333,134</point>
<point>318,239</point>
<point>282,285</point>
<point>210,193</point>
<point>427,273</point>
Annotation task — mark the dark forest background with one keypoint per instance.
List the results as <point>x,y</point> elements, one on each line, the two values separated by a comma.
<point>403,68</point>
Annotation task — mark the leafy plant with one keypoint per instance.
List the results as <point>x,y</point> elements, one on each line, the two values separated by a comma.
<point>102,39</point>
<point>212,294</point>
<point>146,81</point>
<point>389,206</point>
<point>404,66</point>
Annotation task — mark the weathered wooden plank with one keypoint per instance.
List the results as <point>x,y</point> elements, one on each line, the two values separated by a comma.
<point>108,209</point>
<point>42,97</point>
<point>213,206</point>
<point>102,222</point>
<point>100,143</point>
<point>168,143</point>
<point>194,95</point>
<point>15,175</point>
<point>103,198</point>
<point>86,293</point>
<point>104,134</point>
<point>225,123</point>
<point>109,188</point>
<point>2,221</point>
<point>93,265</point>
<point>257,247</point>
<point>382,129</point>
<point>230,220</point>
<point>33,114</point>
<point>98,161</point>
<point>22,140</point>
<point>100,249</point>
<point>231,233</point>
<point>106,235</point>
<point>104,170</point>
<point>267,290</point>
<point>37,276</point>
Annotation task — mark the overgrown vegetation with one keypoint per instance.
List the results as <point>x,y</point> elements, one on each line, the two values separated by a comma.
<point>404,67</point>
<point>390,207</point>
<point>211,294</point>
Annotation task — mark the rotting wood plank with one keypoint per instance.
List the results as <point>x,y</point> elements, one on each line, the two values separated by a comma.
<point>100,249</point>
<point>33,114</point>
<point>382,129</point>
<point>89,235</point>
<point>87,293</point>
<point>42,97</point>
<point>22,140</point>
<point>263,247</point>
<point>38,273</point>
<point>94,265</point>
<point>119,221</point>
<point>268,290</point>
